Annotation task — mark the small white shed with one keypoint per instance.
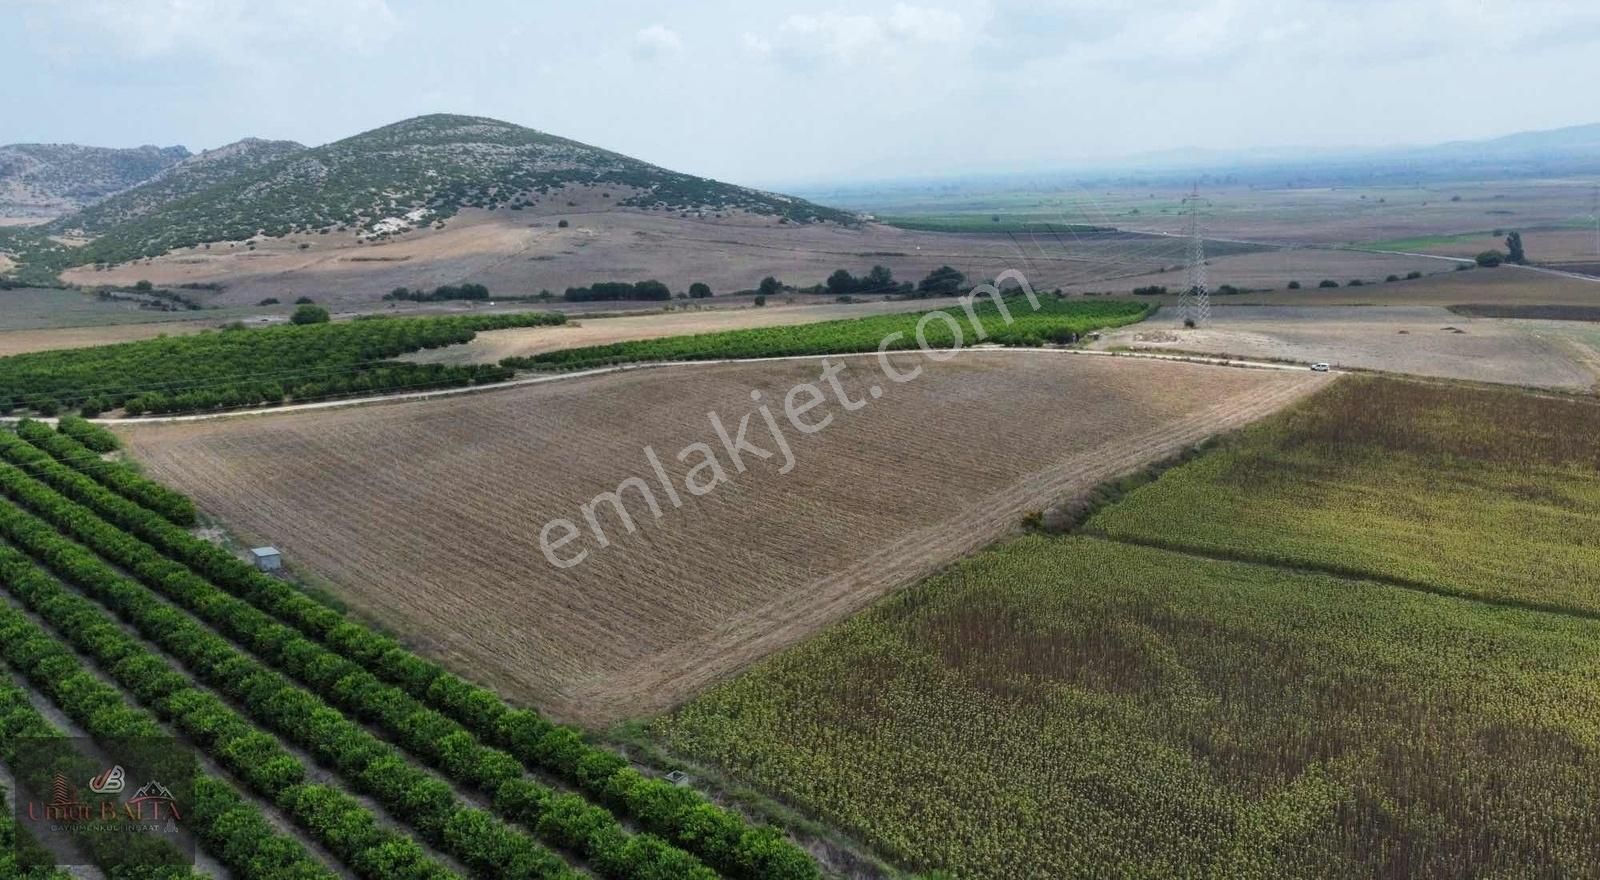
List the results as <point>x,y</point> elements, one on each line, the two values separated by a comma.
<point>267,558</point>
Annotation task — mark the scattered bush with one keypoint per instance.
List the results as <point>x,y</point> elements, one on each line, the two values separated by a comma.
<point>309,315</point>
<point>1327,283</point>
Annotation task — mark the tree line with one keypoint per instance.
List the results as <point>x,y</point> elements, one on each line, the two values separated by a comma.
<point>248,367</point>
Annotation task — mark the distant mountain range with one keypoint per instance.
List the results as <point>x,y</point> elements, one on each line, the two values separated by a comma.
<point>1533,154</point>
<point>140,203</point>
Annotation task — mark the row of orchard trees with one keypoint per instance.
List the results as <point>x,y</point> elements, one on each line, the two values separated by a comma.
<point>1056,321</point>
<point>264,678</point>
<point>466,731</point>
<point>226,823</point>
<point>241,367</point>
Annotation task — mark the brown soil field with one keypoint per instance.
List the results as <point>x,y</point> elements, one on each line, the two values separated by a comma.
<point>1553,247</point>
<point>1507,285</point>
<point>23,341</point>
<point>491,346</point>
<point>1421,340</point>
<point>1359,214</point>
<point>427,515</point>
<point>1273,270</point>
<point>522,252</point>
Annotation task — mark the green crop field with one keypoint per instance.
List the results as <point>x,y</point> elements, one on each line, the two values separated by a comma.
<point>1056,320</point>
<point>1380,658</point>
<point>1071,707</point>
<point>1493,494</point>
<point>131,625</point>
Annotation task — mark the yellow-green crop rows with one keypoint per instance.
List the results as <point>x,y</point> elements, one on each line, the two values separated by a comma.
<point>1087,707</point>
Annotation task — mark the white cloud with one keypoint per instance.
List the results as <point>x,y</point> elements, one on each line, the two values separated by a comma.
<point>755,46</point>
<point>240,31</point>
<point>657,41</point>
<point>853,37</point>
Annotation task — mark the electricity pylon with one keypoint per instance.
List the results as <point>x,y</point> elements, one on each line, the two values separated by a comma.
<point>1195,301</point>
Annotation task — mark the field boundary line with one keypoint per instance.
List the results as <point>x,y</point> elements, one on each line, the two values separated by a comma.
<point>646,365</point>
<point>1341,572</point>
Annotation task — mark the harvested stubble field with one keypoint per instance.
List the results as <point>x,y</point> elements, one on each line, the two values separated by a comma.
<point>428,514</point>
<point>1420,340</point>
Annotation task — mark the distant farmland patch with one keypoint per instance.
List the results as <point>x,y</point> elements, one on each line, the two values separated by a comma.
<point>1546,313</point>
<point>991,223</point>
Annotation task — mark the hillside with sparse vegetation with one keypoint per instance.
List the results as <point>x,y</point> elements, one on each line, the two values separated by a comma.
<point>193,175</point>
<point>414,173</point>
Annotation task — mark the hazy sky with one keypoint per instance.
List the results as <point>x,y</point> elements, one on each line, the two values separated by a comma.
<point>807,90</point>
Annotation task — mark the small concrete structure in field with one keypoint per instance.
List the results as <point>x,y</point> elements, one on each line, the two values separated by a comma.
<point>267,558</point>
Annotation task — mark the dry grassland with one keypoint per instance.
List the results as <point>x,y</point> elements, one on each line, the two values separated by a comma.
<point>23,341</point>
<point>427,515</point>
<point>1273,270</point>
<point>522,252</point>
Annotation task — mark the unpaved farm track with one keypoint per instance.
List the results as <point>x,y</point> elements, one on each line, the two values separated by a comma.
<point>426,514</point>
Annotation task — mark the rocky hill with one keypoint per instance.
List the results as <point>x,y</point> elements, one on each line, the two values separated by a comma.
<point>52,179</point>
<point>410,174</point>
<point>178,181</point>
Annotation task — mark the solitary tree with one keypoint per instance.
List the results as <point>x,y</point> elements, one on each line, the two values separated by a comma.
<point>879,280</point>
<point>770,286</point>
<point>1491,258</point>
<point>699,290</point>
<point>841,281</point>
<point>943,281</point>
<point>1514,253</point>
